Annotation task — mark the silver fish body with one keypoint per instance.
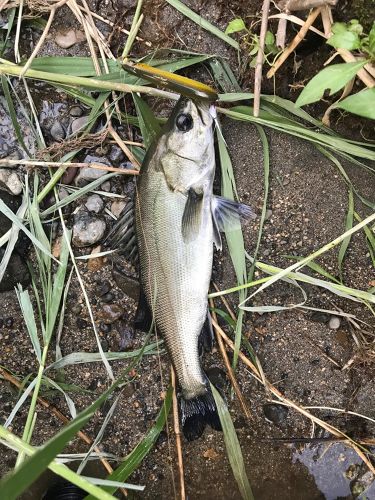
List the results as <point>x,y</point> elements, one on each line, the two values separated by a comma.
<point>175,273</point>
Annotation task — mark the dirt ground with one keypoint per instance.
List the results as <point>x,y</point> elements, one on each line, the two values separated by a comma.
<point>298,350</point>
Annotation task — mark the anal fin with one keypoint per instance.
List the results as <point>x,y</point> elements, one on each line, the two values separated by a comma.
<point>206,337</point>
<point>143,317</point>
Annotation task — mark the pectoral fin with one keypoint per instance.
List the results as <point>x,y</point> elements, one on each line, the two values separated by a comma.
<point>227,215</point>
<point>192,216</point>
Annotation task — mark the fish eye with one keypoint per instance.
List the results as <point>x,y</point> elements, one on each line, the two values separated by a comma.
<point>184,122</point>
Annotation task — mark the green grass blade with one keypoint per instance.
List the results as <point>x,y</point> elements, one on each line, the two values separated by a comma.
<point>7,211</point>
<point>58,287</point>
<point>233,447</point>
<point>234,237</point>
<point>361,103</point>
<point>149,125</point>
<point>76,358</point>
<point>28,471</point>
<point>143,448</point>
<point>74,66</point>
<point>203,23</point>
<point>348,225</point>
<point>28,315</point>
<point>315,267</point>
<point>266,167</point>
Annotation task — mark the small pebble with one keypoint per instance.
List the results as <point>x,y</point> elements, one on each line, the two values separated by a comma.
<point>87,175</point>
<point>111,313</point>
<point>10,182</point>
<point>87,229</point>
<point>334,323</point>
<point>108,297</point>
<point>116,154</point>
<point>9,322</point>
<point>268,214</point>
<point>126,337</point>
<point>76,111</point>
<point>128,284</point>
<point>103,288</point>
<point>67,39</point>
<point>57,131</point>
<point>275,413</point>
<point>104,328</point>
<point>105,345</point>
<point>94,203</point>
<point>106,186</point>
<point>79,124</point>
<point>117,207</point>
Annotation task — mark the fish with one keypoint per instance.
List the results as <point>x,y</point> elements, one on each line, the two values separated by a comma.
<point>178,220</point>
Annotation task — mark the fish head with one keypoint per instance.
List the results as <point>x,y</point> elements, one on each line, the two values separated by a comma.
<point>189,127</point>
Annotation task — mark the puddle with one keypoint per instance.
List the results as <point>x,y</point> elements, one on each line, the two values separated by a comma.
<point>338,471</point>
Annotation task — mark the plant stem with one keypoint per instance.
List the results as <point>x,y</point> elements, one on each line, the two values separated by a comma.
<point>27,432</point>
<point>7,68</point>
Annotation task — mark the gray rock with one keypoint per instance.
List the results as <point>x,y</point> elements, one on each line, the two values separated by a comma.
<point>268,214</point>
<point>87,229</point>
<point>94,203</point>
<point>116,154</point>
<point>129,285</point>
<point>16,272</point>
<point>79,123</point>
<point>88,174</point>
<point>106,186</point>
<point>57,131</point>
<point>10,181</point>
<point>76,111</point>
<point>334,323</point>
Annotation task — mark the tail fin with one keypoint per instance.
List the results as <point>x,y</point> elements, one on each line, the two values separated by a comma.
<point>197,413</point>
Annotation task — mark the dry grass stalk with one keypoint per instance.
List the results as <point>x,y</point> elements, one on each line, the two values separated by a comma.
<point>281,33</point>
<point>4,162</point>
<point>229,368</point>
<point>260,57</point>
<point>295,42</point>
<point>176,426</point>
